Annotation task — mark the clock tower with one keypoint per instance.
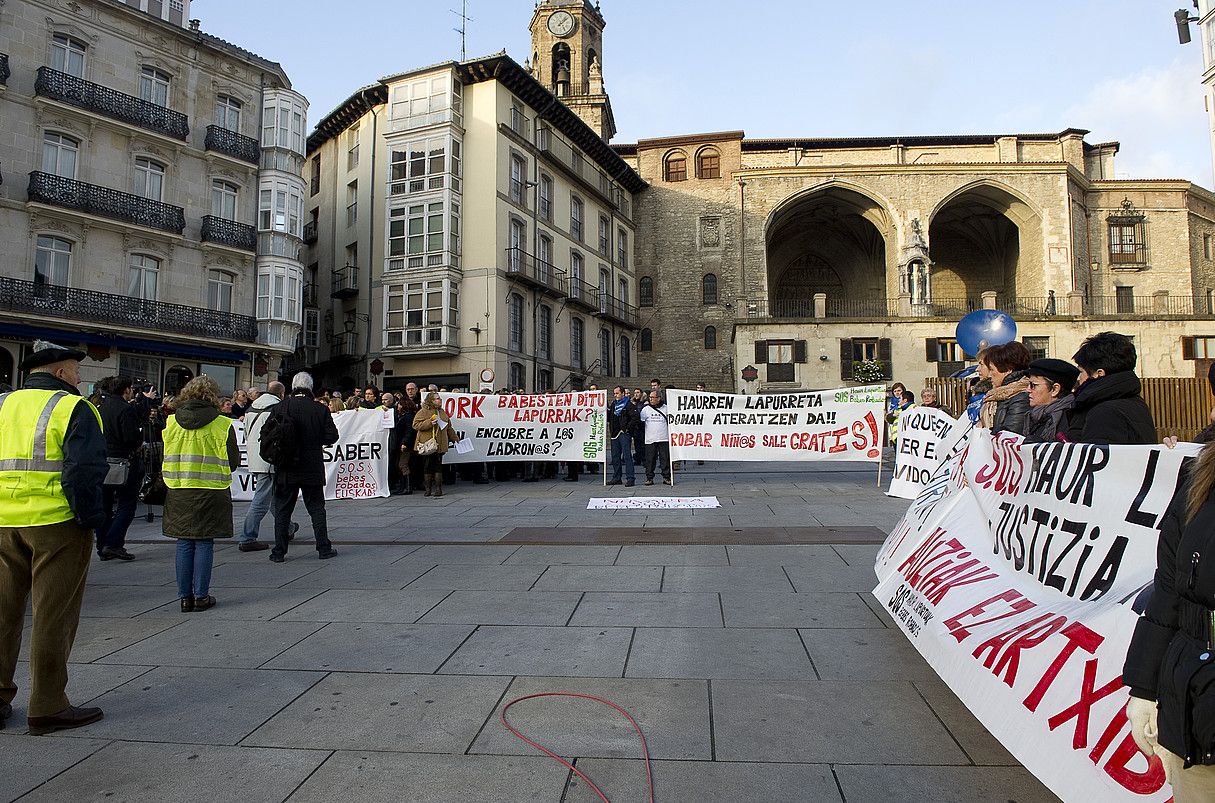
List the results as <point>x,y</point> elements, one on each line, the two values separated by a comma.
<point>567,58</point>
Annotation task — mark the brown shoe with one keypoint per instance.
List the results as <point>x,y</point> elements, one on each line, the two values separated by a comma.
<point>202,603</point>
<point>253,546</point>
<point>68,718</point>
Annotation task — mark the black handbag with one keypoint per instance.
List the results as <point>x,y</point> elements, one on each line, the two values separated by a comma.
<point>119,470</point>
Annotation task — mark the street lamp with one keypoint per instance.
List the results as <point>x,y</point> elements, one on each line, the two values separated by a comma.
<point>1183,19</point>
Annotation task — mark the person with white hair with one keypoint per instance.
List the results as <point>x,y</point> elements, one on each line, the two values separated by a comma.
<point>312,429</point>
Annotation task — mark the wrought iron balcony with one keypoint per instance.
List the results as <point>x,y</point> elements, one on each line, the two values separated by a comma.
<point>229,232</point>
<point>4,72</point>
<point>123,312</point>
<point>238,146</point>
<point>68,193</point>
<point>310,295</point>
<point>617,310</point>
<point>310,232</point>
<point>536,272</point>
<point>584,295</point>
<point>345,282</point>
<point>111,103</point>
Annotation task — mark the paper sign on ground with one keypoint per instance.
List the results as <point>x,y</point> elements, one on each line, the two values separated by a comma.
<point>652,503</point>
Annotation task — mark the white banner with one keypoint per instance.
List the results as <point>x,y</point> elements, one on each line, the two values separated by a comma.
<point>926,437</point>
<point>842,424</point>
<point>356,467</point>
<point>652,502</point>
<point>1014,573</point>
<point>558,426</point>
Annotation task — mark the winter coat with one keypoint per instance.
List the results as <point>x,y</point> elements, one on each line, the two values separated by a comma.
<point>314,430</point>
<point>428,431</point>
<point>1165,661</point>
<point>404,431</point>
<point>1043,424</point>
<point>123,428</point>
<point>84,465</point>
<point>200,513</point>
<point>1110,409</point>
<point>626,421</point>
<point>255,419</point>
<point>1005,408</point>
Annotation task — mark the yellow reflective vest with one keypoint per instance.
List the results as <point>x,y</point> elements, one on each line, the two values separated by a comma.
<point>33,427</point>
<point>197,458</point>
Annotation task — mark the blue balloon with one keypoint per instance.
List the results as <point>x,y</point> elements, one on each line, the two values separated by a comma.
<point>983,328</point>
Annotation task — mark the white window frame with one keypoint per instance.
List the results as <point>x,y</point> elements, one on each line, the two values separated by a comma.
<point>68,55</point>
<point>143,277</point>
<point>56,149</point>
<point>53,260</point>
<point>221,289</point>
<point>518,179</point>
<point>516,330</point>
<point>155,85</point>
<point>544,332</point>
<point>545,207</point>
<point>577,218</point>
<point>577,343</point>
<point>352,202</point>
<point>279,293</point>
<point>225,197</point>
<point>228,112</point>
<point>149,179</point>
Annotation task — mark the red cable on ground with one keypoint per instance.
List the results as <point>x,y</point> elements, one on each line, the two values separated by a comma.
<point>645,752</point>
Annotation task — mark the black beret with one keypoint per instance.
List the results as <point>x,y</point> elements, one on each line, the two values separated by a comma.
<point>1060,371</point>
<point>45,353</point>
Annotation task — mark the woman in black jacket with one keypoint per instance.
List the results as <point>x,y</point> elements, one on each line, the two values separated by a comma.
<point>1170,664</point>
<point>1006,405</point>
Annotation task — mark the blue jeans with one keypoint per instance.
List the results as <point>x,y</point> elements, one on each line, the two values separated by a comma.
<point>263,495</point>
<point>194,559</point>
<point>622,451</point>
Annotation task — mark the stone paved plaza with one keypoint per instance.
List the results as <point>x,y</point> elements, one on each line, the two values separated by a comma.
<point>759,670</point>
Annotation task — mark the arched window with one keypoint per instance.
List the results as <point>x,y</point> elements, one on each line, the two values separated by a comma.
<point>67,54</point>
<point>675,166</point>
<point>645,291</point>
<point>646,340</point>
<point>626,358</point>
<point>708,163</point>
<point>710,338</point>
<point>515,321</point>
<point>708,289</point>
<point>154,86</point>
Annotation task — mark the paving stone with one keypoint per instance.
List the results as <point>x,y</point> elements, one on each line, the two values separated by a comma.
<point>247,604</point>
<point>865,655</point>
<point>520,650</point>
<point>163,705</point>
<point>150,572</point>
<point>32,760</point>
<point>874,784</point>
<point>504,608</point>
<point>371,777</point>
<point>761,609</point>
<point>349,647</point>
<point>828,722</point>
<point>202,641</point>
<point>599,609</point>
<point>96,638</point>
<point>173,773</point>
<point>476,577</point>
<point>85,681</point>
<point>347,605</point>
<point>673,715</point>
<point>463,553</point>
<point>783,555</point>
<point>839,577</point>
<point>674,555</point>
<point>557,555</point>
<point>725,578</point>
<point>858,554</point>
<point>600,578</point>
<point>382,576</point>
<point>399,713</point>
<point>256,571</point>
<point>123,602</point>
<point>624,781</point>
<point>765,654</point>
<point>979,744</point>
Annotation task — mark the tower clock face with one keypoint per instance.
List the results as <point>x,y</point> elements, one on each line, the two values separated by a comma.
<point>561,23</point>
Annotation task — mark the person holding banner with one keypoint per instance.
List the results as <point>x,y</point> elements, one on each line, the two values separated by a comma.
<point>433,426</point>
<point>1050,399</point>
<point>1169,664</point>
<point>622,420</point>
<point>657,438</point>
<point>1006,405</point>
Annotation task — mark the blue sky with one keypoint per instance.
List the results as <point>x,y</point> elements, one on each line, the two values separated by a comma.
<point>806,68</point>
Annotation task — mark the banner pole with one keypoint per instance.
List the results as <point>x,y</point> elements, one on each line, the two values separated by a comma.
<point>881,458</point>
<point>670,461</point>
<point>607,448</point>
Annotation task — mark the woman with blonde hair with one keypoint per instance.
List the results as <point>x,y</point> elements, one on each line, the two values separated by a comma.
<point>434,436</point>
<point>336,406</point>
<point>200,456</point>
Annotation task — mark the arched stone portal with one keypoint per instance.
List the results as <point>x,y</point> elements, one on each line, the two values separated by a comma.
<point>831,241</point>
<point>978,242</point>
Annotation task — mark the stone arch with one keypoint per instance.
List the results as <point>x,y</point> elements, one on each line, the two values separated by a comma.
<point>997,193</point>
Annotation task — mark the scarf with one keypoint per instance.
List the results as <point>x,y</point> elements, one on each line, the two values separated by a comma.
<point>987,410</point>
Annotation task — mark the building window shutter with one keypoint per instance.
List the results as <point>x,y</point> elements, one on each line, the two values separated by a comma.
<point>799,351</point>
<point>932,350</point>
<point>845,358</point>
<point>884,354</point>
<point>761,352</point>
<point>1187,348</point>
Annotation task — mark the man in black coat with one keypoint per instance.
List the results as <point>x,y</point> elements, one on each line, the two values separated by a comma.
<point>623,418</point>
<point>1109,407</point>
<point>123,427</point>
<point>313,429</point>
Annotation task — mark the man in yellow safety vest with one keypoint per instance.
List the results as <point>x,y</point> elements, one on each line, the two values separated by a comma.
<point>52,466</point>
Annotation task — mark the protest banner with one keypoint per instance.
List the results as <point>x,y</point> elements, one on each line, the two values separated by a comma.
<point>356,467</point>
<point>841,424</point>
<point>1017,573</point>
<point>927,436</point>
<point>555,426</point>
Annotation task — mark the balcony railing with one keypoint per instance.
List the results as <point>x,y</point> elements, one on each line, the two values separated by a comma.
<point>4,72</point>
<point>345,282</point>
<point>344,346</point>
<point>123,312</point>
<point>536,272</point>
<point>111,103</point>
<point>310,232</point>
<point>1019,307</point>
<point>584,294</point>
<point>617,310</point>
<point>104,202</point>
<point>230,143</point>
<point>229,232</point>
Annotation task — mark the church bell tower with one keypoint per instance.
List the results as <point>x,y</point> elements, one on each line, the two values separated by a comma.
<point>567,58</point>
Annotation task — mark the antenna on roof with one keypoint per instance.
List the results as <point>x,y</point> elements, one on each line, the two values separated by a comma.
<point>463,29</point>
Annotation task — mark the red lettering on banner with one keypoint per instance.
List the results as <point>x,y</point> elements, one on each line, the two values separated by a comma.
<point>469,407</point>
<point>926,552</point>
<point>999,642</point>
<point>1006,468</point>
<point>1142,783</point>
<point>859,440</point>
<point>691,439</point>
<point>958,629</point>
<point>1078,637</point>
<point>939,584</point>
<point>1011,657</point>
<point>732,440</point>
<point>1089,696</point>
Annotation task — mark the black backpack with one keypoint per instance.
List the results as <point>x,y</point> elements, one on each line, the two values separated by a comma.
<point>278,438</point>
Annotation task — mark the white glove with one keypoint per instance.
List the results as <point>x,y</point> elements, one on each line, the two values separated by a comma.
<point>1142,714</point>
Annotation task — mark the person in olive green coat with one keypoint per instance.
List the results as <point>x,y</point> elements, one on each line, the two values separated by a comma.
<point>432,424</point>
<point>197,516</point>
